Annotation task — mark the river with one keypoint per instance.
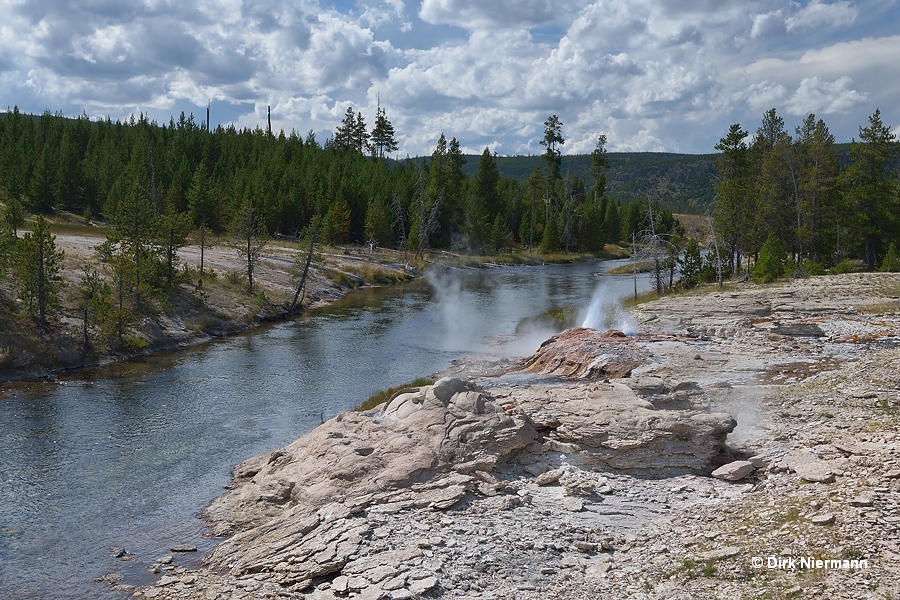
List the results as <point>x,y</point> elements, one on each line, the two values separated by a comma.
<point>127,456</point>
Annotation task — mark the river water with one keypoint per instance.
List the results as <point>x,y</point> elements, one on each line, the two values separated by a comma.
<point>128,456</point>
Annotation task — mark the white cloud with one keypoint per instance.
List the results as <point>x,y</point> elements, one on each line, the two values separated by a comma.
<point>817,14</point>
<point>815,95</point>
<point>796,17</point>
<point>479,14</point>
<point>651,74</point>
<point>768,25</point>
<point>764,95</point>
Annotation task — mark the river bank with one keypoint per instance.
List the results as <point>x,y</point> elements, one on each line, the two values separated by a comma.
<point>219,305</point>
<point>567,506</point>
<point>194,313</point>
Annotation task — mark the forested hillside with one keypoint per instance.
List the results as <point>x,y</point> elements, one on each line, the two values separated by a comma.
<point>822,202</point>
<point>108,170</point>
<point>683,183</point>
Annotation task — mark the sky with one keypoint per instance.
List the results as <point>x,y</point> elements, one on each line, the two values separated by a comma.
<point>651,75</point>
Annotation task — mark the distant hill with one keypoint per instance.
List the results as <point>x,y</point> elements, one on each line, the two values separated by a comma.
<point>682,182</point>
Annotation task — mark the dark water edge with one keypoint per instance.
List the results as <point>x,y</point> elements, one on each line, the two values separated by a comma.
<point>126,456</point>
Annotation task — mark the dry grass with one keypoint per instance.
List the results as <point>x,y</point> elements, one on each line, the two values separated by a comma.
<point>880,308</point>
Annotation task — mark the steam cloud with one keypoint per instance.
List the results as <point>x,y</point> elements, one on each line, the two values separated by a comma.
<point>605,312</point>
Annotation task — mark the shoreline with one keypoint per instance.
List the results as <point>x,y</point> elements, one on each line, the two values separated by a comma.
<point>816,360</point>
<point>228,312</point>
<point>57,351</point>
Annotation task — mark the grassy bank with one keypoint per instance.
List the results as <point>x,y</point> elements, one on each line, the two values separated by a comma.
<point>385,395</point>
<point>525,257</point>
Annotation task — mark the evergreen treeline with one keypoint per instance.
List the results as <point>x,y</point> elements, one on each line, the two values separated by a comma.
<point>104,169</point>
<point>683,183</point>
<point>791,195</point>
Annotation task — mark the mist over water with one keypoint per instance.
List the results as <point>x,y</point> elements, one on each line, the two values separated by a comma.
<point>456,326</point>
<point>499,313</point>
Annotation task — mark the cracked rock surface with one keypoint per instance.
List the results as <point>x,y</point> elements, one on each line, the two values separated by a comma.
<point>569,483</point>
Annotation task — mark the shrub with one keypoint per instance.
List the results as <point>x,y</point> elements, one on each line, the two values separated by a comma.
<point>261,299</point>
<point>772,260</point>
<point>811,268</point>
<point>134,344</point>
<point>708,273</point>
<point>845,266</point>
<point>891,262</point>
<point>236,278</point>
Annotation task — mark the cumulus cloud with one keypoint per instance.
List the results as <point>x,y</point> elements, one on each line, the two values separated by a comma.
<point>815,95</point>
<point>796,18</point>
<point>768,25</point>
<point>651,74</point>
<point>478,14</point>
<point>821,14</point>
<point>763,95</point>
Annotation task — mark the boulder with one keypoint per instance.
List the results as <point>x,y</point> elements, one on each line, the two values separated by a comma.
<point>606,425</point>
<point>734,471</point>
<point>823,519</point>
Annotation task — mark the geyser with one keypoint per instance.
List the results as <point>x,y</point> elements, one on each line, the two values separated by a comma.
<point>605,311</point>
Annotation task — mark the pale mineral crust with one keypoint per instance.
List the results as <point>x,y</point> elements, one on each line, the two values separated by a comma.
<point>570,478</point>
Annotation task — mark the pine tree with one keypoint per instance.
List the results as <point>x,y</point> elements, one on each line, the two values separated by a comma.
<point>336,223</point>
<point>818,169</point>
<point>42,183</point>
<point>598,168</point>
<point>378,223</point>
<point>248,238</point>
<point>550,237</point>
<point>133,232</point>
<point>772,260</point>
<point>37,265</point>
<point>383,141</point>
<point>891,262</point>
<point>729,212</point>
<point>869,185</point>
<point>534,197</point>
<point>94,301</point>
<point>170,231</point>
<point>552,140</point>
<point>345,133</point>
<point>771,205</point>
<point>14,215</point>
<point>454,193</point>
<point>484,201</point>
<point>691,264</point>
<point>360,137</point>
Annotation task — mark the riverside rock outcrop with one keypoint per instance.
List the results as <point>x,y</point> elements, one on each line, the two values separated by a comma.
<point>545,515</point>
<point>604,425</point>
<point>293,512</point>
<point>308,513</point>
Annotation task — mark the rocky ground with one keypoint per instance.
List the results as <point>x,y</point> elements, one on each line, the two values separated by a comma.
<point>584,472</point>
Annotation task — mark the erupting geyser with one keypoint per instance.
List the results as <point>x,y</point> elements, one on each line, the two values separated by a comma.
<point>606,312</point>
